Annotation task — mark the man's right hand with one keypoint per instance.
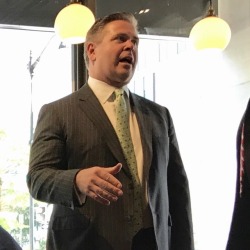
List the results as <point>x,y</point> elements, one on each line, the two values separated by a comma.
<point>100,184</point>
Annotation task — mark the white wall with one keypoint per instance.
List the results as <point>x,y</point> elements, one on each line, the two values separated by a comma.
<point>206,94</point>
<point>206,110</point>
<point>237,14</point>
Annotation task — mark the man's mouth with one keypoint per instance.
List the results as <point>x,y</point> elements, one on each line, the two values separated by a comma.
<point>127,59</point>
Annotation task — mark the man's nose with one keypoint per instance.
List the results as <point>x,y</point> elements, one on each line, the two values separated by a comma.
<point>130,44</point>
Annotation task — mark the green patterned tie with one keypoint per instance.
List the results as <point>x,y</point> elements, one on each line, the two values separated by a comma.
<point>123,132</point>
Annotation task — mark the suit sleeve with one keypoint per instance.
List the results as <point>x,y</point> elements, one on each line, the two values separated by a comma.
<point>49,179</point>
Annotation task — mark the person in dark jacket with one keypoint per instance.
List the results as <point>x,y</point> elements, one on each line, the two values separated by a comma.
<point>239,235</point>
<point>7,242</point>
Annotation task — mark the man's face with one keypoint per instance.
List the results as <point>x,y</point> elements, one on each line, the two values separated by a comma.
<point>113,58</point>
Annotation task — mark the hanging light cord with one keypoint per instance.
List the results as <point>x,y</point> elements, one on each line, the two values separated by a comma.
<point>77,1</point>
<point>211,11</point>
<point>74,1</point>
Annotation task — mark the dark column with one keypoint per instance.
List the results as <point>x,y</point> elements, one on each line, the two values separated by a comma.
<point>79,72</point>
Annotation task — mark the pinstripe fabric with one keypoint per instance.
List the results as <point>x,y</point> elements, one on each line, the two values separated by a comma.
<point>74,133</point>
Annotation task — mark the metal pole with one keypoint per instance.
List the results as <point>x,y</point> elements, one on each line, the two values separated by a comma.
<point>31,67</point>
<point>79,72</point>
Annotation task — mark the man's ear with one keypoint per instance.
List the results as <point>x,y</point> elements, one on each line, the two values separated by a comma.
<point>91,51</point>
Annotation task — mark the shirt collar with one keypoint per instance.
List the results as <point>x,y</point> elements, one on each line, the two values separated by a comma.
<point>102,90</point>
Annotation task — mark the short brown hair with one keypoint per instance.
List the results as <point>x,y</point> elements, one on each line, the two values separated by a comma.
<point>99,25</point>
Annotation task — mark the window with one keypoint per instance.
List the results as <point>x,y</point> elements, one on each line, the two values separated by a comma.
<point>206,111</point>
<point>35,69</point>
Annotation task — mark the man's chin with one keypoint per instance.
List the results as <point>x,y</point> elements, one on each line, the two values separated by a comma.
<point>125,78</point>
<point>126,75</point>
<point>121,81</point>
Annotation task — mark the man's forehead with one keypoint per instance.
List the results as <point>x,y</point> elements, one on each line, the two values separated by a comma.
<point>121,27</point>
<point>120,24</point>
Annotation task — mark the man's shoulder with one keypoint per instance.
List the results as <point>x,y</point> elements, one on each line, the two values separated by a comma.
<point>76,95</point>
<point>146,102</point>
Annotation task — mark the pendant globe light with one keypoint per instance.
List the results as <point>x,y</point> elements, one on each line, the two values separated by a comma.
<point>211,32</point>
<point>73,22</point>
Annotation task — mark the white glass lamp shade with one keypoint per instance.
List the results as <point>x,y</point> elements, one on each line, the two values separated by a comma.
<point>210,33</point>
<point>73,22</point>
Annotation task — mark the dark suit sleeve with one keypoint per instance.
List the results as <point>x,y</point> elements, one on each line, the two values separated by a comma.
<point>7,241</point>
<point>49,179</point>
<point>179,197</point>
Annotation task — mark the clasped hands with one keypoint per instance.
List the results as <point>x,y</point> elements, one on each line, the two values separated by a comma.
<point>100,184</point>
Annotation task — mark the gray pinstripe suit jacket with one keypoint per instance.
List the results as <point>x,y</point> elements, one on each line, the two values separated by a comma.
<point>73,133</point>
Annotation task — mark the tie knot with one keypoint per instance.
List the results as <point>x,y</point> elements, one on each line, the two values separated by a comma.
<point>119,92</point>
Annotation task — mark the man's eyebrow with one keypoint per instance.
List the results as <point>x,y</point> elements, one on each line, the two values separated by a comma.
<point>125,34</point>
<point>136,37</point>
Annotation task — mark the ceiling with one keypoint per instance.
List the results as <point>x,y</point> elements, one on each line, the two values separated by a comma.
<point>165,17</point>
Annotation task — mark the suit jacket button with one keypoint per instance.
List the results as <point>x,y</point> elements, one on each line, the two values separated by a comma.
<point>129,218</point>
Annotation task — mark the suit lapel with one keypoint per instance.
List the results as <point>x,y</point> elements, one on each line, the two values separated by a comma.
<point>93,109</point>
<point>145,126</point>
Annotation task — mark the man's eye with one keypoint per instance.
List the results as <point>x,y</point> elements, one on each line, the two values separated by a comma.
<point>122,38</point>
<point>135,41</point>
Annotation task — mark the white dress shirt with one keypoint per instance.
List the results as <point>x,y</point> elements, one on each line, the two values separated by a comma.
<point>105,94</point>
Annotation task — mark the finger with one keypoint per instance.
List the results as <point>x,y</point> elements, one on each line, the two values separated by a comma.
<point>106,194</point>
<point>103,193</point>
<point>111,186</point>
<point>111,191</point>
<point>116,169</point>
<point>114,186</point>
<point>98,198</point>
<point>109,176</point>
<point>104,190</point>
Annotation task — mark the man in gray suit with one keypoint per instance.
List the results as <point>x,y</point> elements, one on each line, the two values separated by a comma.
<point>78,164</point>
